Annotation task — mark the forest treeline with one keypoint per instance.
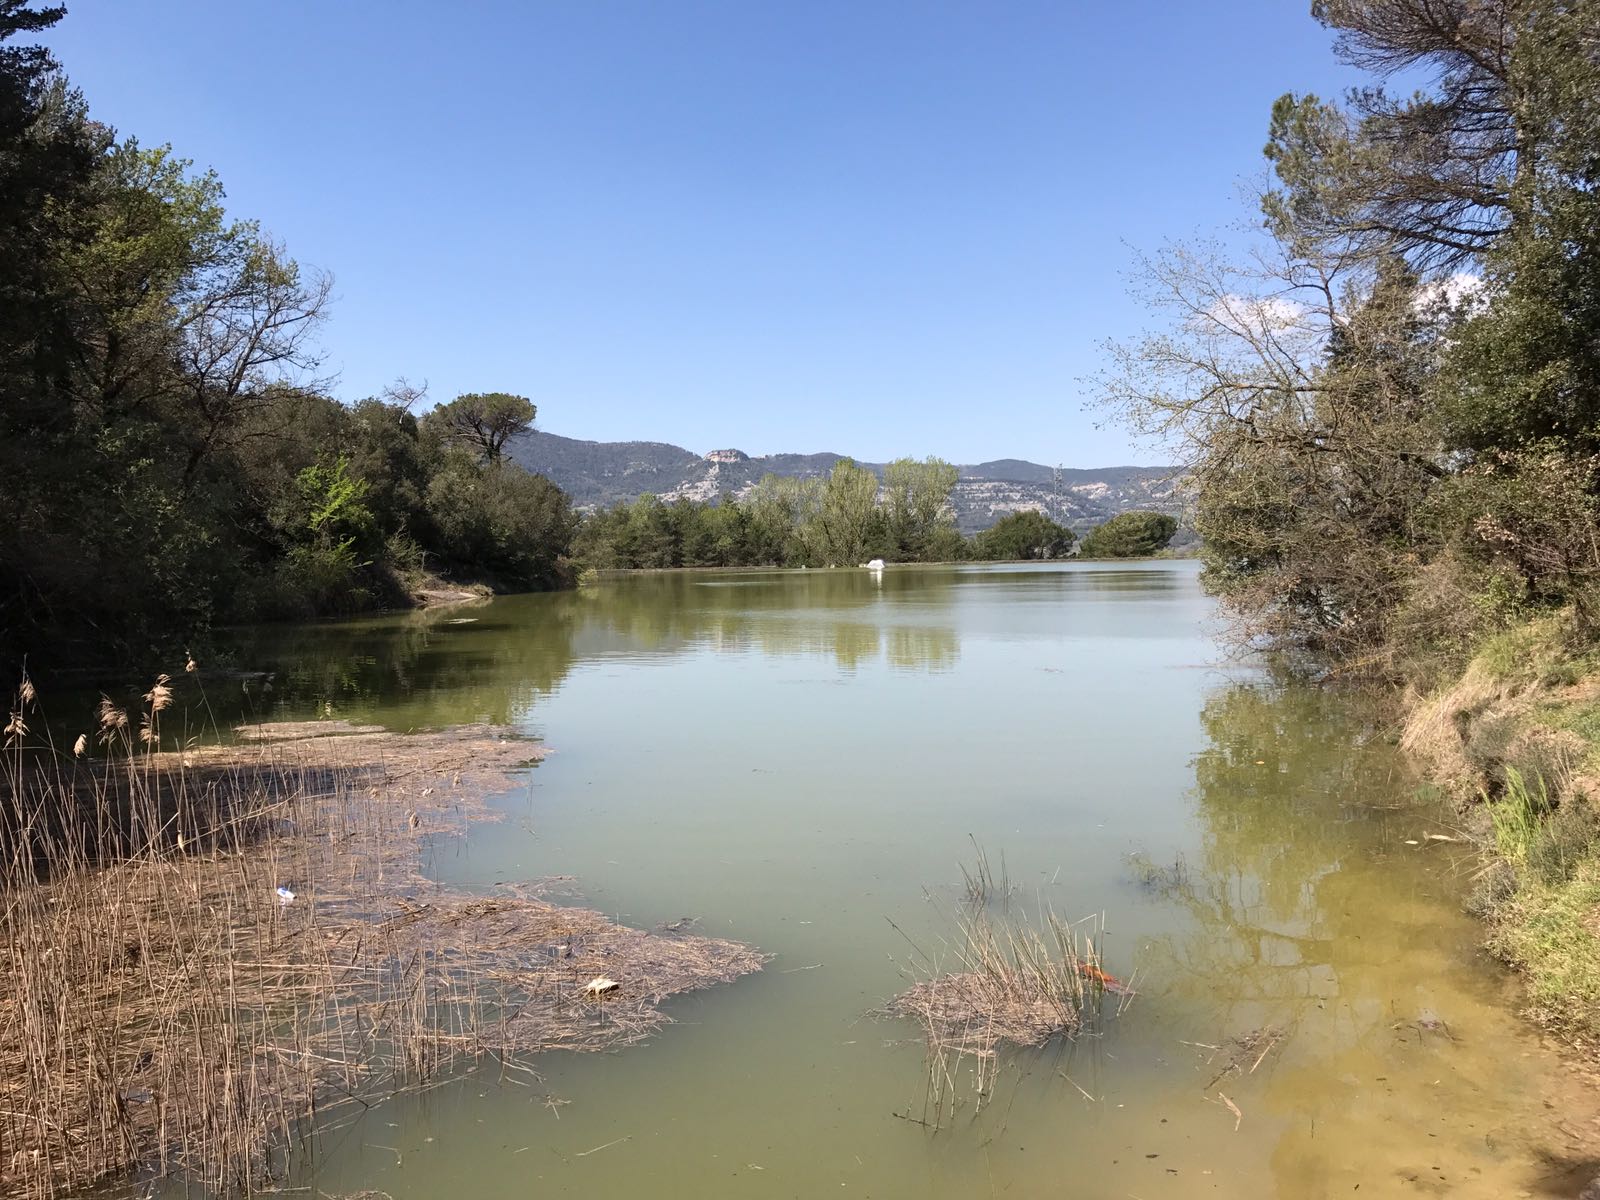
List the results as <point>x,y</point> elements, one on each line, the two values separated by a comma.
<point>844,519</point>
<point>170,454</point>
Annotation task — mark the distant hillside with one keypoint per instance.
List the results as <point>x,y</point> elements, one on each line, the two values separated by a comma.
<point>599,474</point>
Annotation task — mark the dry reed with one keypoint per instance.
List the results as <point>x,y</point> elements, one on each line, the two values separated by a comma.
<point>1005,981</point>
<point>164,1008</point>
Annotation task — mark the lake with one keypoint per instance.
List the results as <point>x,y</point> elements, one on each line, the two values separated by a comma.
<point>805,760</point>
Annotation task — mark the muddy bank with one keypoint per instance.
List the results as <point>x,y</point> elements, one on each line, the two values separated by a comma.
<point>269,953</point>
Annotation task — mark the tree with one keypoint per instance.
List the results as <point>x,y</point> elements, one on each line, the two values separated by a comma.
<point>501,521</point>
<point>168,454</point>
<point>1295,388</point>
<point>783,511</point>
<point>1390,413</point>
<point>1428,176</point>
<point>917,503</point>
<point>1023,535</point>
<point>840,530</point>
<point>484,421</point>
<point>1130,535</point>
<point>183,317</point>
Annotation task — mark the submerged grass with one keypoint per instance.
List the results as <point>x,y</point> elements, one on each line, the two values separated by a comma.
<point>982,885</point>
<point>211,952</point>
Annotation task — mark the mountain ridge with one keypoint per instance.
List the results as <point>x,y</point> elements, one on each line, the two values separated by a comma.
<point>600,474</point>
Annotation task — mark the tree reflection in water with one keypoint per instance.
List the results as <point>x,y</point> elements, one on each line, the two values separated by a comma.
<point>1305,910</point>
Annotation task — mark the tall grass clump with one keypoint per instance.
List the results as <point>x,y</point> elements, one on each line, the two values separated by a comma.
<point>1003,980</point>
<point>981,883</point>
<point>1517,815</point>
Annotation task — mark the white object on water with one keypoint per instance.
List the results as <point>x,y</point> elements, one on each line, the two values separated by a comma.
<point>600,985</point>
<point>285,896</point>
<point>876,564</point>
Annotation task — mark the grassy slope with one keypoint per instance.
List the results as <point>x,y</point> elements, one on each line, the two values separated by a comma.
<point>1518,734</point>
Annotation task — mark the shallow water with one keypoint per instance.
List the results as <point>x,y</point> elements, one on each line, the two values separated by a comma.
<point>802,759</point>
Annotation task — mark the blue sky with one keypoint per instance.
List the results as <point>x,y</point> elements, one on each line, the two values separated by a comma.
<point>868,227</point>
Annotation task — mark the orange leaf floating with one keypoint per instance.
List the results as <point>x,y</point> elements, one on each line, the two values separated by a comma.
<point>1106,980</point>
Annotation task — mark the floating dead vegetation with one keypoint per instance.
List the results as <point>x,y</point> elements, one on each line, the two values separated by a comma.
<point>1241,1054</point>
<point>1004,980</point>
<point>1237,1056</point>
<point>214,951</point>
<point>574,979</point>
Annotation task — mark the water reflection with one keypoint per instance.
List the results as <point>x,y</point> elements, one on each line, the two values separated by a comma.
<point>493,661</point>
<point>1274,791</point>
<point>1310,916</point>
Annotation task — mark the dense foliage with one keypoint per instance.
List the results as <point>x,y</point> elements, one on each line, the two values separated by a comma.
<point>1390,407</point>
<point>169,454</point>
<point>1022,535</point>
<point>1130,535</point>
<point>843,519</point>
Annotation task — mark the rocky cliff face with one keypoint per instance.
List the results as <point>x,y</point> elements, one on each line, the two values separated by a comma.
<point>599,474</point>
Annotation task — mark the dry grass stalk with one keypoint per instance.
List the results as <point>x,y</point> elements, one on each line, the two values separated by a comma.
<point>982,884</point>
<point>162,1007</point>
<point>1241,1055</point>
<point>1009,982</point>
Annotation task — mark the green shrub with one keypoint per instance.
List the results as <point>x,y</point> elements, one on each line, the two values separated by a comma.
<point>1130,535</point>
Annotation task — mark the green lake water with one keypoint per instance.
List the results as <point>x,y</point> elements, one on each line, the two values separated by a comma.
<point>799,759</point>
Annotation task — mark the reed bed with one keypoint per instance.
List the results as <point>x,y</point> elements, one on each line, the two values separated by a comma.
<point>1009,983</point>
<point>1004,980</point>
<point>165,1009</point>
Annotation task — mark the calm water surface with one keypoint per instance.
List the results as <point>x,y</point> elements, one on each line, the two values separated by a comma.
<point>800,758</point>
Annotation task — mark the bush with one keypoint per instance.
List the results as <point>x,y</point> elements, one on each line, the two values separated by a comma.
<point>1024,535</point>
<point>1130,535</point>
<point>1563,841</point>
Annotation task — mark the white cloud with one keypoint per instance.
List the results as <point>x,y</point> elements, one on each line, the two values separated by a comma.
<point>1458,291</point>
<point>1256,316</point>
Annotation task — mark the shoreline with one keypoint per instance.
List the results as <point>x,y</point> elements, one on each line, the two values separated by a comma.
<point>1515,739</point>
<point>268,906</point>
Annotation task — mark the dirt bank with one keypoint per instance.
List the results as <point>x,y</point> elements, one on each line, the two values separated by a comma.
<point>434,592</point>
<point>1517,739</point>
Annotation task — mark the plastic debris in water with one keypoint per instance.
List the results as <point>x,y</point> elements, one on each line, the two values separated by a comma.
<point>600,985</point>
<point>285,896</point>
